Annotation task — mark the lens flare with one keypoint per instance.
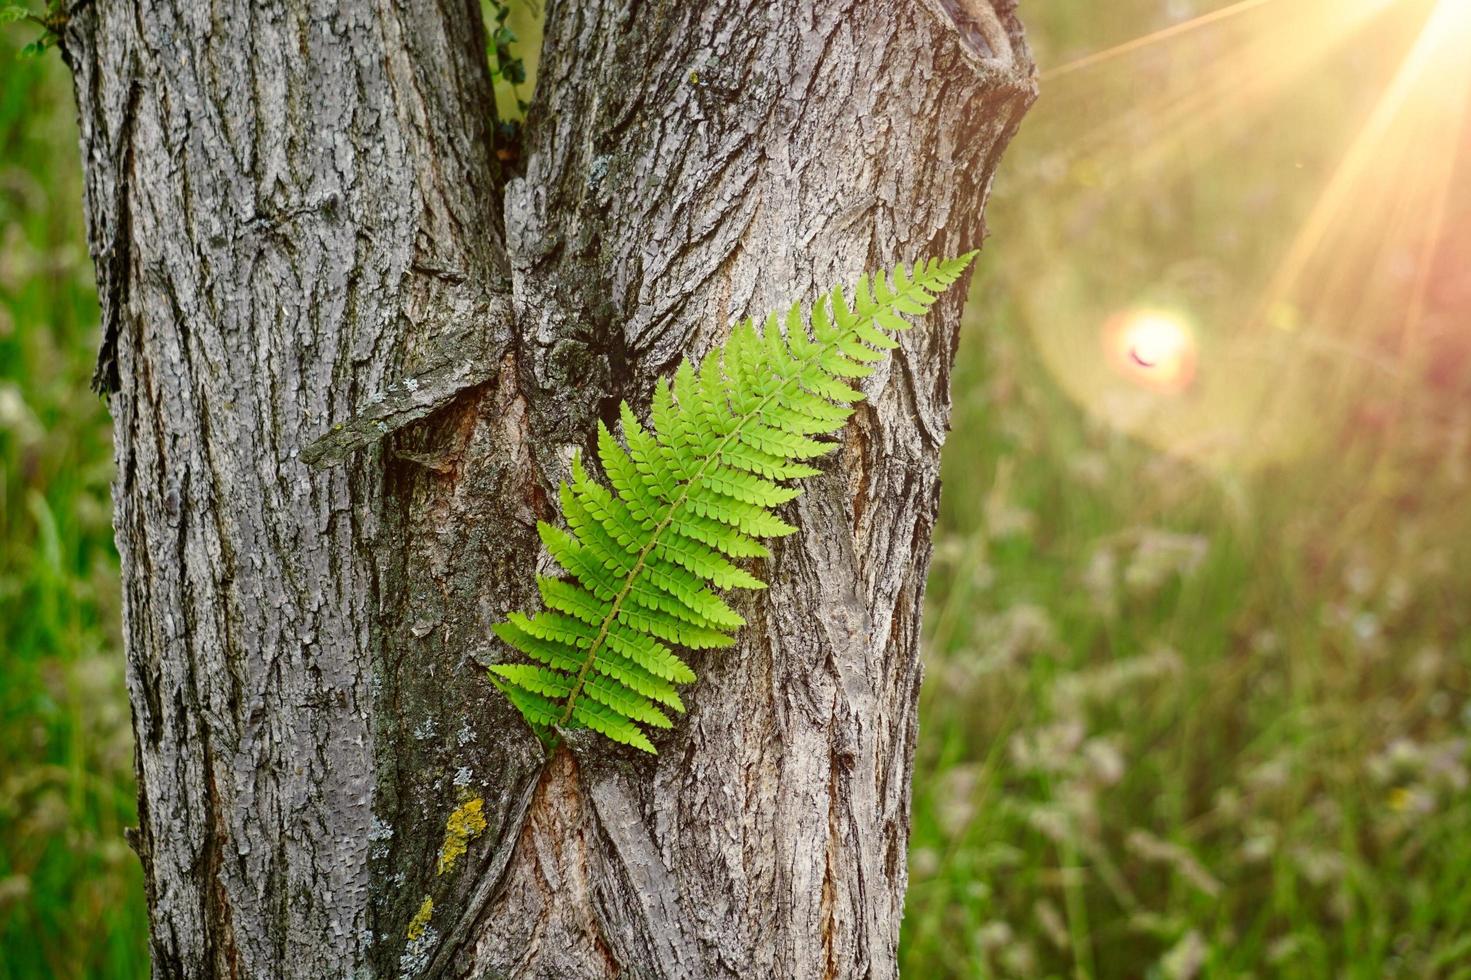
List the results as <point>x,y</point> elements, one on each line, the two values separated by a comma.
<point>1153,348</point>
<point>1324,276</point>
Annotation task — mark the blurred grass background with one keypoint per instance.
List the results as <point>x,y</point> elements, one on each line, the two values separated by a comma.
<point>1199,667</point>
<point>71,893</point>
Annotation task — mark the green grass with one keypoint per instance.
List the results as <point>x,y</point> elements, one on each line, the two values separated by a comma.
<point>1198,689</point>
<point>70,890</point>
<point>1194,706</point>
<point>1160,713</point>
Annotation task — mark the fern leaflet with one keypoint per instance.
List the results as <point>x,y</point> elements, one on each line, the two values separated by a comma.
<point>687,500</point>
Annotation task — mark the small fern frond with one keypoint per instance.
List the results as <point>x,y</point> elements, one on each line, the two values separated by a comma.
<point>689,498</point>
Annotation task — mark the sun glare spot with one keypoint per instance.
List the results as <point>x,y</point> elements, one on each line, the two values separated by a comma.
<point>1152,348</point>
<point>1327,259</point>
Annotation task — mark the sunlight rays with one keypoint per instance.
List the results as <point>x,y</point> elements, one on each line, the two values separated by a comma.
<point>1387,199</point>
<point>1249,53</point>
<point>1407,147</point>
<point>1381,218</point>
<point>1154,37</point>
<point>1334,300</point>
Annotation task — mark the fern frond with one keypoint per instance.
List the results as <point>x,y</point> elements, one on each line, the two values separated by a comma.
<point>688,498</point>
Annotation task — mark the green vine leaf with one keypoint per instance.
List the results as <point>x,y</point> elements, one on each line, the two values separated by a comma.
<point>507,74</point>
<point>687,500</point>
<point>51,21</point>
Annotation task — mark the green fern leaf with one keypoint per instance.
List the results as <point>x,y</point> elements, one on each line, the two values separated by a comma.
<point>688,498</point>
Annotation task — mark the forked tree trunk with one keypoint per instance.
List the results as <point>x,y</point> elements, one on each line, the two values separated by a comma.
<point>348,356</point>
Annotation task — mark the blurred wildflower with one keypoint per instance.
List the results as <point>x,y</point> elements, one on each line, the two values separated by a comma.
<point>1161,556</point>
<point>924,862</point>
<point>1283,949</point>
<point>1266,640</point>
<point>1405,800</point>
<point>993,935</point>
<point>1109,682</point>
<point>1185,958</point>
<point>1019,959</point>
<point>1051,822</point>
<point>1319,865</point>
<point>1050,921</point>
<point>1089,468</point>
<point>1004,517</point>
<point>1258,848</point>
<point>1000,642</point>
<point>1429,664</point>
<point>1051,749</point>
<point>14,889</point>
<point>16,417</point>
<point>1020,630</point>
<point>1176,857</point>
<point>1229,804</point>
<point>1106,761</point>
<point>1100,580</point>
<point>1272,774</point>
<point>1359,578</point>
<point>956,803</point>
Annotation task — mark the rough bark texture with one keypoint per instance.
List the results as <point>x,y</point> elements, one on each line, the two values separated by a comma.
<point>347,360</point>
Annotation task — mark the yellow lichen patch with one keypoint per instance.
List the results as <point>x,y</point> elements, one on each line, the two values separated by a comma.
<point>420,921</point>
<point>465,824</point>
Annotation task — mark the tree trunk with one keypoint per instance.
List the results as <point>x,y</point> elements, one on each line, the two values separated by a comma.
<point>348,357</point>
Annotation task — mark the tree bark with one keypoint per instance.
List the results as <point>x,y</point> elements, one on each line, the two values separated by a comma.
<point>348,358</point>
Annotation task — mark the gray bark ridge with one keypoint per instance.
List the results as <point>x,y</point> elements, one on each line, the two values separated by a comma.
<point>348,360</point>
